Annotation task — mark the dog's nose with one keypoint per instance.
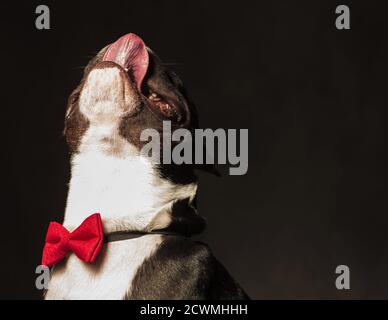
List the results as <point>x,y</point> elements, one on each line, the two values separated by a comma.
<point>108,93</point>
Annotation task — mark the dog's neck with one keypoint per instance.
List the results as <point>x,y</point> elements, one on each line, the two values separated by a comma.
<point>126,191</point>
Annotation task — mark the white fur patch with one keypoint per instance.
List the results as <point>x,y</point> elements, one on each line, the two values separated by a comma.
<point>128,194</point>
<point>107,95</point>
<point>109,278</point>
<point>122,186</point>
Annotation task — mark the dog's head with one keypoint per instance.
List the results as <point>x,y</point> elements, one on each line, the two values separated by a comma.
<point>126,89</point>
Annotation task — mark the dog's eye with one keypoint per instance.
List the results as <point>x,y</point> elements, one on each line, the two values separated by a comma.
<point>165,108</point>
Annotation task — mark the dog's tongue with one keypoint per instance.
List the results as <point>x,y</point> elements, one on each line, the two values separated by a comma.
<point>131,53</point>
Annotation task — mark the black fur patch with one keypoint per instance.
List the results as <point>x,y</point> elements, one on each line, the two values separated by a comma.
<point>185,220</point>
<point>183,269</point>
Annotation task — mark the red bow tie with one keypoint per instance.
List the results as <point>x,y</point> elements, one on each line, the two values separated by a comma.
<point>85,241</point>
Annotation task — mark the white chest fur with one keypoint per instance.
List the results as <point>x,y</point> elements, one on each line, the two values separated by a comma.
<point>111,178</point>
<point>123,187</point>
<point>110,277</point>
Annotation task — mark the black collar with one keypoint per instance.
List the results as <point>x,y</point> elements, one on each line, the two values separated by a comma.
<point>126,235</point>
<point>185,221</point>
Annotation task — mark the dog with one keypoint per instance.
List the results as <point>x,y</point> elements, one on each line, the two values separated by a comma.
<point>124,90</point>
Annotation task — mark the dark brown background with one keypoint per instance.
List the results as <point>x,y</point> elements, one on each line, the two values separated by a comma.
<point>312,97</point>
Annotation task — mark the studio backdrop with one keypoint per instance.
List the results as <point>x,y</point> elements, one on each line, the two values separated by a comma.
<point>311,91</point>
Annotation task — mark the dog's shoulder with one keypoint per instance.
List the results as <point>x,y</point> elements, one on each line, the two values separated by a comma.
<point>183,269</point>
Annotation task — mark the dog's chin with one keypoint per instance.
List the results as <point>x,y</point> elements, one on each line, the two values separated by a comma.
<point>108,94</point>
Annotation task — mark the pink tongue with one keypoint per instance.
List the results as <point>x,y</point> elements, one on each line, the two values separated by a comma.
<point>131,53</point>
